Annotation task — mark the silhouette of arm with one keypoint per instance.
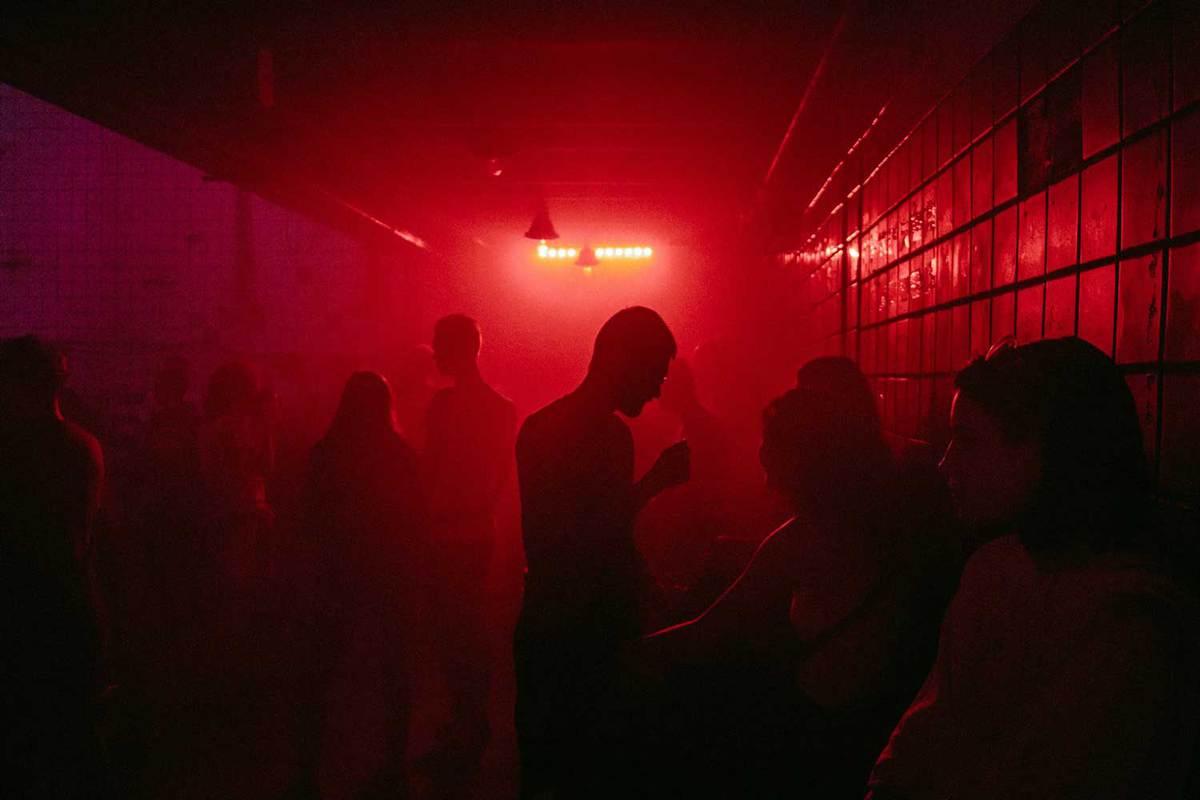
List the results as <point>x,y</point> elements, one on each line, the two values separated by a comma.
<point>750,612</point>
<point>87,491</point>
<point>672,468</point>
<point>643,492</point>
<point>86,505</point>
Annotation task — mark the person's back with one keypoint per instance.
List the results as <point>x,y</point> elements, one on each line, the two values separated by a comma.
<point>366,506</point>
<point>51,476</point>
<point>51,472</point>
<point>575,468</point>
<point>413,377</point>
<point>466,462</point>
<point>470,432</point>
<point>236,456</point>
<point>469,429</point>
<point>160,494</point>
<point>169,437</point>
<point>170,455</point>
<point>365,520</point>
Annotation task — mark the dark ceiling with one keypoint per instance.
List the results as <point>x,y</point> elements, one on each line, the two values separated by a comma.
<point>400,115</point>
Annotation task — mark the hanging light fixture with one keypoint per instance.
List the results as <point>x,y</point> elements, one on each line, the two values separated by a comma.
<point>542,228</point>
<point>587,257</point>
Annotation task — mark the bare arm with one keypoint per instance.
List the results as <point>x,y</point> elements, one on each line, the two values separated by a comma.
<point>743,613</point>
<point>672,468</point>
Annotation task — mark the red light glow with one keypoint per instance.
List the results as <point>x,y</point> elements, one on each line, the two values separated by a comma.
<point>632,253</point>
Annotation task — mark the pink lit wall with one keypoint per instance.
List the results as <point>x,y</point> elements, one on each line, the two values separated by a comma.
<point>953,242</point>
<point>123,255</point>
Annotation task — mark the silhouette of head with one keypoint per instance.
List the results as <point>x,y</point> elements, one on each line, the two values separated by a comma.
<point>366,407</point>
<point>456,342</point>
<point>171,382</point>
<point>679,389</point>
<point>823,444</point>
<point>1045,438</point>
<point>32,375</point>
<point>232,389</point>
<point>632,354</point>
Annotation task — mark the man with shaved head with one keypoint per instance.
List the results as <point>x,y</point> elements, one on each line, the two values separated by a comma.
<point>578,504</point>
<point>468,455</point>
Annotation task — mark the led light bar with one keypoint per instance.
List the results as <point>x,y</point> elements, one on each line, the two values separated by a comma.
<point>547,252</point>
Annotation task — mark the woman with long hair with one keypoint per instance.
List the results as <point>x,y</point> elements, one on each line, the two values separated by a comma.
<point>366,518</point>
<point>1066,666</point>
<point>829,623</point>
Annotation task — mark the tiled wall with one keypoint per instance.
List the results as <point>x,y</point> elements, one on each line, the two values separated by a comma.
<point>1056,191</point>
<point>124,255</point>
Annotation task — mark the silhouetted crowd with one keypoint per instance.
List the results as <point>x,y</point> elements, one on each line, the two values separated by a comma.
<point>1006,622</point>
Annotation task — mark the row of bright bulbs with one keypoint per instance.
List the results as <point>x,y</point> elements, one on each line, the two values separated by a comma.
<point>545,251</point>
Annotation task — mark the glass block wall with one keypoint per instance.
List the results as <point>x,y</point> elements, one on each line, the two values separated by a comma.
<point>1055,191</point>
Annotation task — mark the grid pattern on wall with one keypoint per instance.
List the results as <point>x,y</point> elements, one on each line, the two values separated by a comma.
<point>123,254</point>
<point>1055,191</point>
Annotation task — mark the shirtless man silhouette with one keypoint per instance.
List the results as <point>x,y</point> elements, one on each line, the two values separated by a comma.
<point>578,504</point>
